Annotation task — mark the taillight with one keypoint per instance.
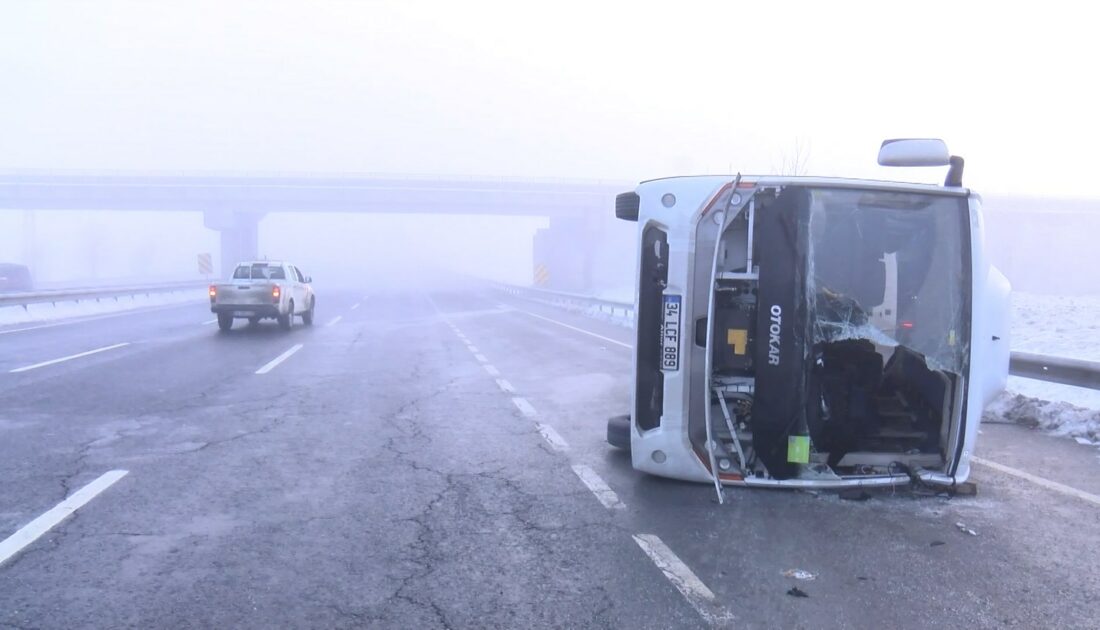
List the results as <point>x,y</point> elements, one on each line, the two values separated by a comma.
<point>276,293</point>
<point>213,292</point>
<point>907,325</point>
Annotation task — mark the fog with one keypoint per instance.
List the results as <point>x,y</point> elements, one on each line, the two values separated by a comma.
<point>614,91</point>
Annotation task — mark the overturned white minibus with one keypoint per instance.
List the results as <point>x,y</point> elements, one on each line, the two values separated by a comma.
<point>813,332</point>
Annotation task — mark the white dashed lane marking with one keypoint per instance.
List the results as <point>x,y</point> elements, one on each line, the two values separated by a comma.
<point>32,531</point>
<point>693,589</point>
<point>556,441</point>
<point>334,320</point>
<point>27,368</point>
<point>524,407</point>
<point>279,359</point>
<point>599,487</point>
<point>690,586</point>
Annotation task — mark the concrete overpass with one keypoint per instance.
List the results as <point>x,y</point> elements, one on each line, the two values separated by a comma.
<point>234,203</point>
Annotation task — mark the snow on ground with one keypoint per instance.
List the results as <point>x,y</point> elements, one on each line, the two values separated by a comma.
<point>39,313</point>
<point>1064,326</point>
<point>1056,417</point>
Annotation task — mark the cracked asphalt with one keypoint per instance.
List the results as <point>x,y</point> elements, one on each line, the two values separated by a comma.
<point>381,478</point>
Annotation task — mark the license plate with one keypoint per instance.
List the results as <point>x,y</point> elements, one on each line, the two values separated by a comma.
<point>670,334</point>
<point>243,314</point>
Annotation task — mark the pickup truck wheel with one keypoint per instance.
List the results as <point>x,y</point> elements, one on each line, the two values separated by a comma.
<point>307,317</point>
<point>225,322</point>
<point>618,432</point>
<point>287,321</point>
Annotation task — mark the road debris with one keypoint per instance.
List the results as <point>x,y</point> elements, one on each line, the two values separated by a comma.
<point>964,529</point>
<point>854,494</point>
<point>936,543</point>
<point>965,489</point>
<point>799,574</point>
<point>797,592</point>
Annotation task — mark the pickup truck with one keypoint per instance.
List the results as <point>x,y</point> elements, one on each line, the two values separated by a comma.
<point>264,290</point>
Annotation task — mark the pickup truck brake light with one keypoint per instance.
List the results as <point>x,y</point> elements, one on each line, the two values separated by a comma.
<point>213,292</point>
<point>276,292</point>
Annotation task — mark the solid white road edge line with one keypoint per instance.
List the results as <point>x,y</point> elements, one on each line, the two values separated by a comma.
<point>505,386</point>
<point>68,358</point>
<point>524,407</point>
<point>690,586</point>
<point>334,320</point>
<point>31,531</point>
<point>556,441</point>
<point>580,330</point>
<point>1046,483</point>
<point>491,369</point>
<point>596,484</point>
<point>279,359</point>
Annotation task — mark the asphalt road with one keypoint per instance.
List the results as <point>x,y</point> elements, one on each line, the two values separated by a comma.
<point>435,459</point>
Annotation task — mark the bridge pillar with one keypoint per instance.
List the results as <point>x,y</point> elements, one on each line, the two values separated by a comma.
<point>240,236</point>
<point>591,254</point>
<point>30,241</point>
<point>562,256</point>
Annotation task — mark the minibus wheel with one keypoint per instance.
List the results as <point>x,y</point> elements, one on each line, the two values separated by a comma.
<point>618,431</point>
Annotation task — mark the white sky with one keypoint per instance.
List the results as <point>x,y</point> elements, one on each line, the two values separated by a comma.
<point>559,89</point>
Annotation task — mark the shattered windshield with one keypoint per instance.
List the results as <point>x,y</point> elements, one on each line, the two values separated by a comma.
<point>891,267</point>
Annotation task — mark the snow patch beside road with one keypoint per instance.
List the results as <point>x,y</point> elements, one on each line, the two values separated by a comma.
<point>1056,417</point>
<point>38,313</point>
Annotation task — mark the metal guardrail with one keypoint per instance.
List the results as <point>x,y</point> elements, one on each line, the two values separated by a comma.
<point>1066,371</point>
<point>573,300</point>
<point>1063,370</point>
<point>94,293</point>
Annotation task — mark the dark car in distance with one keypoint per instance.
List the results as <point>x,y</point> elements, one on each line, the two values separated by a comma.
<point>15,278</point>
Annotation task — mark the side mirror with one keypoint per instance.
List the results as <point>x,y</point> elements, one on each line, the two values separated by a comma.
<point>914,152</point>
<point>309,279</point>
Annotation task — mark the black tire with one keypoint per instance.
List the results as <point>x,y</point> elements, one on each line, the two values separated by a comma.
<point>618,432</point>
<point>307,317</point>
<point>286,322</point>
<point>225,322</point>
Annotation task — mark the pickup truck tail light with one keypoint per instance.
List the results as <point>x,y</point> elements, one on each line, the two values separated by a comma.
<point>213,292</point>
<point>276,293</point>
